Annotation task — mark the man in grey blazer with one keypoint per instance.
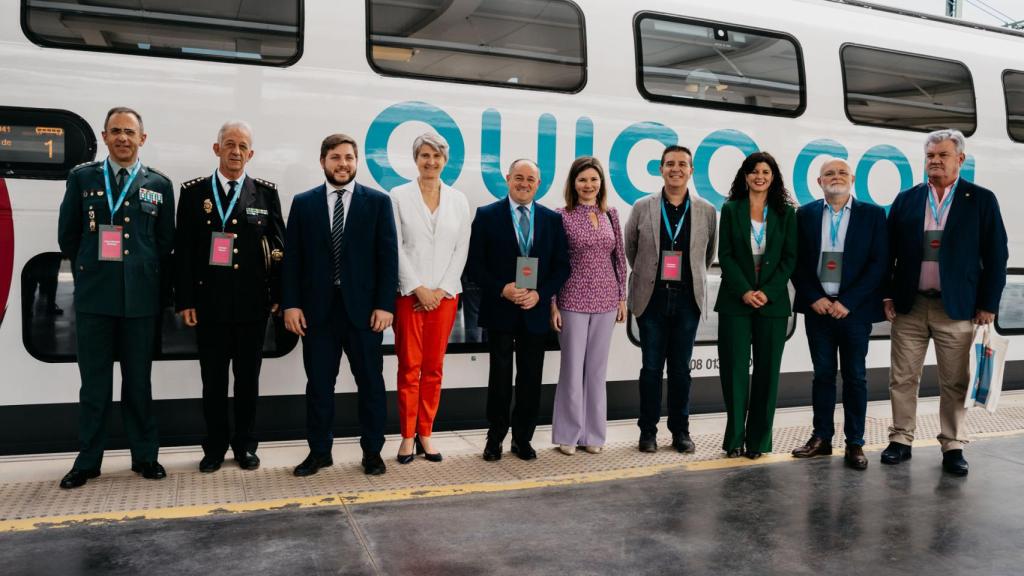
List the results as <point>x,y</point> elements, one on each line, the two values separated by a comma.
<point>670,244</point>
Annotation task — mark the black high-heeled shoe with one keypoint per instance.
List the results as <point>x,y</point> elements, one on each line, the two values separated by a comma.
<point>435,457</point>
<point>406,458</point>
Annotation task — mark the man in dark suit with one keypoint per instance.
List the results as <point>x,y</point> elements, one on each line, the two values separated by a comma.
<point>505,236</point>
<point>229,240</point>
<point>842,263</point>
<point>117,227</point>
<point>338,290</point>
<point>948,252</point>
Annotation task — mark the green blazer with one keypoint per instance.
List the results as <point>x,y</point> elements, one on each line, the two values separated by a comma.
<point>737,261</point>
<point>130,288</point>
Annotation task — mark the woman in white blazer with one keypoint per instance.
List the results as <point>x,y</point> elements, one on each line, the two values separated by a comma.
<point>433,222</point>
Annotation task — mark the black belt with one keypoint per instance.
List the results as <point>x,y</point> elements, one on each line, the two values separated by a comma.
<point>930,293</point>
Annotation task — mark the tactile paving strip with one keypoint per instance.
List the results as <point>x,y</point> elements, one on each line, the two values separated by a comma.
<point>130,492</point>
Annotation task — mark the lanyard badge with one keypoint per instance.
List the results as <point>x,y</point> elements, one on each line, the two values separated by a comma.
<point>231,204</point>
<point>114,207</point>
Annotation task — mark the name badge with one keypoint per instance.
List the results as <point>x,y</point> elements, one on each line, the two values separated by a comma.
<point>110,243</point>
<point>932,243</point>
<point>222,249</point>
<point>526,272</point>
<point>671,265</point>
<point>831,267</point>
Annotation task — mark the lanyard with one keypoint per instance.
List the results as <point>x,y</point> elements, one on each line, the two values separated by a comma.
<point>234,199</point>
<point>836,223</point>
<point>759,236</point>
<point>938,213</point>
<point>523,241</point>
<point>679,226</point>
<point>124,191</point>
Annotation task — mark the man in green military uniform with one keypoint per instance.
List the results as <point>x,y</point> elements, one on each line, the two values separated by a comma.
<point>229,241</point>
<point>116,225</point>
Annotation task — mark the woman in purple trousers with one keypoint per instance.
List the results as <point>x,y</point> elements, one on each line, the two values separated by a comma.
<point>585,311</point>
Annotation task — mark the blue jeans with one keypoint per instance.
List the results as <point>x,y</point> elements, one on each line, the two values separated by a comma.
<point>667,329</point>
<point>848,337</point>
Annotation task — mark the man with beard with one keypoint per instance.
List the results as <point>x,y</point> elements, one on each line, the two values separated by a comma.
<point>339,280</point>
<point>841,267</point>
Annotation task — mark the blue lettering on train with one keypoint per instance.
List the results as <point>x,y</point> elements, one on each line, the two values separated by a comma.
<point>492,163</point>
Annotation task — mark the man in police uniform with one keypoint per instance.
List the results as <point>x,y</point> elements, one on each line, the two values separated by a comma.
<point>228,243</point>
<point>116,225</point>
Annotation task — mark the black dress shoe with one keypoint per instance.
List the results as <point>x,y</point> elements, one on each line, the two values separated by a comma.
<point>77,477</point>
<point>247,460</point>
<point>734,453</point>
<point>648,444</point>
<point>524,450</point>
<point>683,443</point>
<point>954,463</point>
<point>373,464</point>
<point>313,463</point>
<point>492,451</point>
<point>753,455</point>
<point>855,458</point>
<point>814,447</point>
<point>895,453</point>
<point>210,464</point>
<point>435,457</point>
<point>149,470</point>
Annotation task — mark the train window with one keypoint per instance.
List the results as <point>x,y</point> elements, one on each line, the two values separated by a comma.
<point>525,44</point>
<point>1013,87</point>
<point>41,143</point>
<point>715,65</point>
<point>707,330</point>
<point>267,33</point>
<point>48,318</point>
<point>1010,319</point>
<point>907,91</point>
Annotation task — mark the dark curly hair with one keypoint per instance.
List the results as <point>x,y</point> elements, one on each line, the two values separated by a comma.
<point>778,197</point>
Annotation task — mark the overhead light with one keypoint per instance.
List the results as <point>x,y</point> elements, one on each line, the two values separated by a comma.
<point>393,53</point>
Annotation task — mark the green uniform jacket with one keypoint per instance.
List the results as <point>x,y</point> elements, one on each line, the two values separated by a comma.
<point>737,261</point>
<point>131,288</point>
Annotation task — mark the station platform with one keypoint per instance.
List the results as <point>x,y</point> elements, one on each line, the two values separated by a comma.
<point>620,511</point>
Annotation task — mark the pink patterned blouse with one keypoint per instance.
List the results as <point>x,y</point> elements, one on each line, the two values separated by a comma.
<point>597,282</point>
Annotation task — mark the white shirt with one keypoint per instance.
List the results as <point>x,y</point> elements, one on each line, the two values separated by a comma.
<point>756,227</point>
<point>431,255</point>
<point>832,288</point>
<point>346,201</point>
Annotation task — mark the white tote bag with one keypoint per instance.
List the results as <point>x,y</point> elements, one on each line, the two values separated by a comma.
<point>988,356</point>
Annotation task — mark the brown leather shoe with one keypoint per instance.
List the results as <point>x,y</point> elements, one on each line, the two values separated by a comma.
<point>855,458</point>
<point>814,447</point>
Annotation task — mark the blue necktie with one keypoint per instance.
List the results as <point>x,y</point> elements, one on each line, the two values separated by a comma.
<point>524,226</point>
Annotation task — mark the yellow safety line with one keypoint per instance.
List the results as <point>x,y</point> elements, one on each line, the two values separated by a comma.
<point>415,493</point>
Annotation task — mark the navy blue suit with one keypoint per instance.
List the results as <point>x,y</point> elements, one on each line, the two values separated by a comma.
<point>493,250</point>
<point>864,274</point>
<point>338,317</point>
<point>972,259</point>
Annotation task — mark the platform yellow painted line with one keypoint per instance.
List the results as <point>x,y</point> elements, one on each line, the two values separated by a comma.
<point>419,492</point>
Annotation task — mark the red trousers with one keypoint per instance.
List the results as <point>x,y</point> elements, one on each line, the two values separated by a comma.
<point>420,341</point>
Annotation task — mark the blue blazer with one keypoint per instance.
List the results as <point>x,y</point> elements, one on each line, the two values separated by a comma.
<point>369,257</point>
<point>493,249</point>
<point>972,258</point>
<point>865,260</point>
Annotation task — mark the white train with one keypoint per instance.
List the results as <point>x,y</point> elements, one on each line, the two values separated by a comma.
<point>547,79</point>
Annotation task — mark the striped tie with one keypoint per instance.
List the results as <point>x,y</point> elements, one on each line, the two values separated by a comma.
<point>337,231</point>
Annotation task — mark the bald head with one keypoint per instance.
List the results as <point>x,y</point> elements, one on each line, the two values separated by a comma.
<point>836,180</point>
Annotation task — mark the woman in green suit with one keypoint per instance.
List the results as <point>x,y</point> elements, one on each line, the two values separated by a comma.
<point>757,252</point>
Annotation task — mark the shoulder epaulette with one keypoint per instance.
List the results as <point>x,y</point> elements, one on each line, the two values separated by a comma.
<point>92,163</point>
<point>266,183</point>
<point>158,173</point>
<point>192,182</point>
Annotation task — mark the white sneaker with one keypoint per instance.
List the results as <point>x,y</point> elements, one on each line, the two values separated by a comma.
<point>593,449</point>
<point>567,450</point>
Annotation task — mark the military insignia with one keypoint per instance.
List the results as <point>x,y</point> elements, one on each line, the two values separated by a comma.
<point>207,206</point>
<point>151,196</point>
<point>100,193</point>
<point>255,212</point>
<point>266,183</point>
<point>276,255</point>
<point>92,220</point>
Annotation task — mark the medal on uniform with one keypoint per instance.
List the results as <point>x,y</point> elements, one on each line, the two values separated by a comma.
<point>207,206</point>
<point>831,267</point>
<point>222,249</point>
<point>526,272</point>
<point>671,265</point>
<point>110,248</point>
<point>932,243</point>
<point>92,220</point>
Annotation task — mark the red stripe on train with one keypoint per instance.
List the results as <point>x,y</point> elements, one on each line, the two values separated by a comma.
<point>6,247</point>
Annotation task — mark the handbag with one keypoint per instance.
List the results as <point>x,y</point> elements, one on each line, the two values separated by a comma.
<point>988,358</point>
